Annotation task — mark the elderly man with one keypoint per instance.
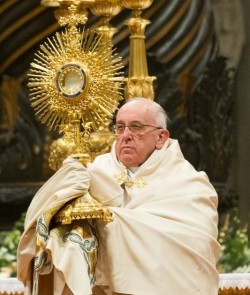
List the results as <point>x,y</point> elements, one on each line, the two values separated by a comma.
<point>163,239</point>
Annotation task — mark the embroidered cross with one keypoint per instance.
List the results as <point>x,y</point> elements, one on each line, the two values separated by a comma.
<point>123,178</point>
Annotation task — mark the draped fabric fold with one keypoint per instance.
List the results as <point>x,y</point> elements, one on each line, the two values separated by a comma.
<point>165,223</point>
<point>62,255</point>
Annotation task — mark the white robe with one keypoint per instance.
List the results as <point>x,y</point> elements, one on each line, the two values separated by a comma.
<point>163,240</point>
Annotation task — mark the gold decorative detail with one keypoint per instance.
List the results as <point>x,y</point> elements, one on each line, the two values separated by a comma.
<point>71,78</point>
<point>106,9</point>
<point>142,87</point>
<point>50,3</point>
<point>137,5</point>
<point>234,291</point>
<point>57,3</point>
<point>69,144</point>
<point>60,149</point>
<point>84,207</point>
<point>101,141</point>
<point>95,143</point>
<point>139,182</point>
<point>75,84</point>
<point>138,81</point>
<point>123,178</point>
<point>72,16</point>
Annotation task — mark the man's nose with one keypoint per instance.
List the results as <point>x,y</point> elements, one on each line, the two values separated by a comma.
<point>127,132</point>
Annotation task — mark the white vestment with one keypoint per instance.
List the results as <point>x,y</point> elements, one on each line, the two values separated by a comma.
<point>163,240</point>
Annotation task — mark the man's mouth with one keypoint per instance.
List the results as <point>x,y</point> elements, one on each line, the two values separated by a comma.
<point>126,147</point>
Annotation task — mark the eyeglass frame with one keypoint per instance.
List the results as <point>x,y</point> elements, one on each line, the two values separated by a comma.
<point>129,128</point>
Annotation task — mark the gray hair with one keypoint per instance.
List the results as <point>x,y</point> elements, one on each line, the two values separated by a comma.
<point>158,112</point>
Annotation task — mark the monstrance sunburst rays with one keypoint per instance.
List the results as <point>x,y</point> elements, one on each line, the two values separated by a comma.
<point>75,75</point>
<point>75,84</point>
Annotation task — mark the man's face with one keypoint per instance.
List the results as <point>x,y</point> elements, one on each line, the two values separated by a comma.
<point>133,150</point>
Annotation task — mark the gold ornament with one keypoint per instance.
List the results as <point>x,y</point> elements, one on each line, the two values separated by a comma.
<point>123,178</point>
<point>75,85</point>
<point>138,83</point>
<point>75,76</point>
<point>84,207</point>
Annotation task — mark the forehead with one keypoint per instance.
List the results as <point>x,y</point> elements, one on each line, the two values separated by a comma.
<point>135,111</point>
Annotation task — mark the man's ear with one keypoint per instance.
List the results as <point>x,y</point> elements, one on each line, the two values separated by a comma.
<point>162,138</point>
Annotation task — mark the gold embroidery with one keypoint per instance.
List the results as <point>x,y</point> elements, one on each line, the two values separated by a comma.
<point>128,182</point>
<point>123,178</point>
<point>140,182</point>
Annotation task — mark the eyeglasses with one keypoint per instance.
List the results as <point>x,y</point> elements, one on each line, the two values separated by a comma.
<point>136,128</point>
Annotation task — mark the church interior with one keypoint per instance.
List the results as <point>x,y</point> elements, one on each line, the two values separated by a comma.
<point>193,59</point>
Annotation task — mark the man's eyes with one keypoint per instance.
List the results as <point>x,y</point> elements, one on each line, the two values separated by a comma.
<point>136,126</point>
<point>120,127</point>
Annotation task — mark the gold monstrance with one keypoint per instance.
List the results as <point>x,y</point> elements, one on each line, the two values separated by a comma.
<point>75,85</point>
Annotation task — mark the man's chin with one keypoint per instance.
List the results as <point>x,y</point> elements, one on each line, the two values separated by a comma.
<point>128,160</point>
